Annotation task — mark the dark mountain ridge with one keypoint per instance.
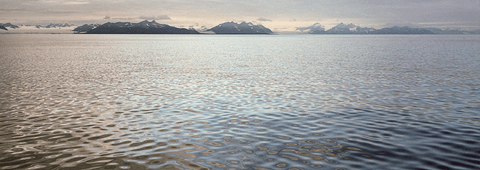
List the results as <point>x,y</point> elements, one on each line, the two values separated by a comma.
<point>8,25</point>
<point>143,27</point>
<point>85,28</point>
<point>242,28</point>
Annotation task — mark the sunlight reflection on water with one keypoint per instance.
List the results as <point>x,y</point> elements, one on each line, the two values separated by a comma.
<point>243,101</point>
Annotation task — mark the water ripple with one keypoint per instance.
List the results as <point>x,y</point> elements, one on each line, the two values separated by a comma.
<point>230,102</point>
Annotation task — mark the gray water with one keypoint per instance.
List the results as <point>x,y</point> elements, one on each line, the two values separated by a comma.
<point>239,102</point>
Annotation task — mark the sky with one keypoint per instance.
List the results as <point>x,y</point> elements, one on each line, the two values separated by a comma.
<point>274,14</point>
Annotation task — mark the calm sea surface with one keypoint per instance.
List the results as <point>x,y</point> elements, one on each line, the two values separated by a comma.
<point>239,102</point>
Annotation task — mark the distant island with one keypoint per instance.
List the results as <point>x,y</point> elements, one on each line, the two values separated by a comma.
<point>143,27</point>
<point>8,25</point>
<point>353,29</point>
<point>51,25</point>
<point>51,28</point>
<point>401,30</point>
<point>242,28</point>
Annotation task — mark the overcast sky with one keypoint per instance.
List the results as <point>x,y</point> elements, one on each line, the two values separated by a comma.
<point>274,14</point>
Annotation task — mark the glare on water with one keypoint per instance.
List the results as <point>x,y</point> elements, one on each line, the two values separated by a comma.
<point>241,101</point>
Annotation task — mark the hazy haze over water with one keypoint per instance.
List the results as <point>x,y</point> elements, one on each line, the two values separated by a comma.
<point>239,101</point>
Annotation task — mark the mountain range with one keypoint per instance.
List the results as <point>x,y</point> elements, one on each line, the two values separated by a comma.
<point>146,27</point>
<point>353,29</point>
<point>143,27</point>
<point>85,28</point>
<point>242,28</point>
<point>153,27</point>
<point>8,25</point>
<point>51,25</point>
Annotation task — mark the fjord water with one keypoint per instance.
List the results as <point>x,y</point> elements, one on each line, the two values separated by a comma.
<point>240,101</point>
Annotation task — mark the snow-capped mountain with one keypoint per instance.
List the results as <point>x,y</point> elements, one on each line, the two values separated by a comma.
<point>242,28</point>
<point>143,27</point>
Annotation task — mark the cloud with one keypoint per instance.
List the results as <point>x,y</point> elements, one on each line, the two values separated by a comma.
<point>76,3</point>
<point>160,17</point>
<point>58,12</point>
<point>124,18</point>
<point>106,17</point>
<point>263,19</point>
<point>14,10</point>
<point>284,28</point>
<point>402,24</point>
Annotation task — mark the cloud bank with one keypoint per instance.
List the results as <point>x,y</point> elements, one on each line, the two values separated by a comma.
<point>160,17</point>
<point>263,19</point>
